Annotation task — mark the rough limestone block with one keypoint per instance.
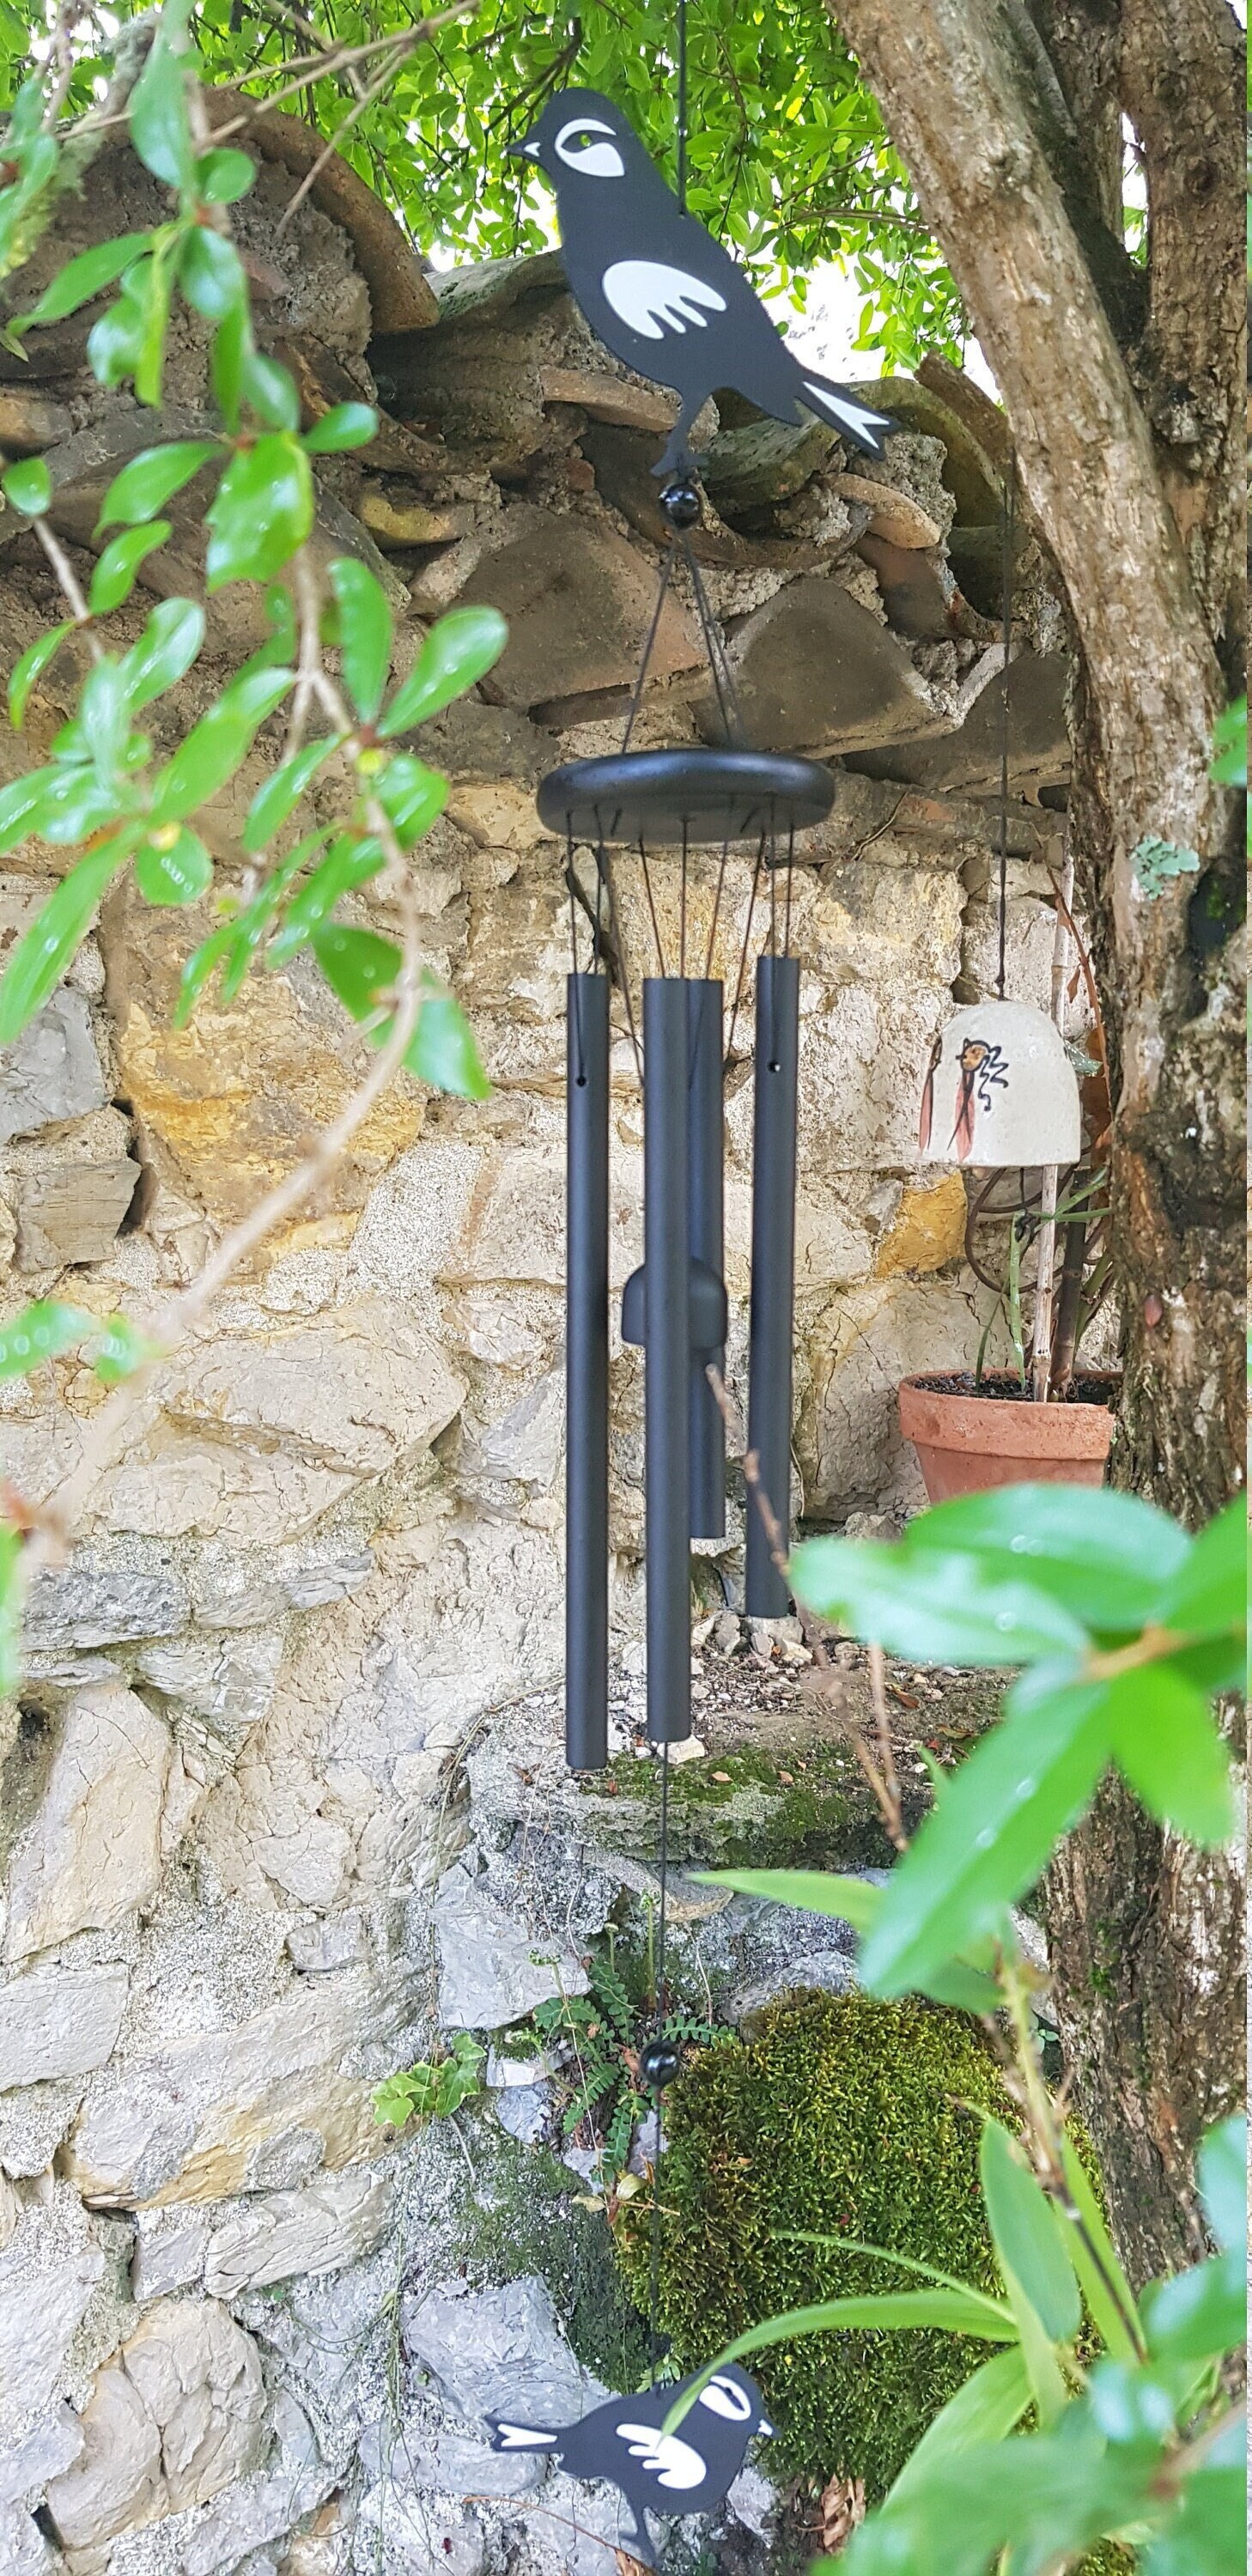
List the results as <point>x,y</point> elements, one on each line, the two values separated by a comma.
<point>174,2418</point>
<point>579,601</point>
<point>967,762</point>
<point>262,1434</point>
<point>52,1071</point>
<point>39,2317</point>
<point>276,2234</point>
<point>93,1849</point>
<point>91,1602</point>
<point>815,671</point>
<point>23,2549</point>
<point>69,1193</point>
<point>59,2021</point>
<point>258,2107</point>
<point>498,2351</point>
<point>492,1970</point>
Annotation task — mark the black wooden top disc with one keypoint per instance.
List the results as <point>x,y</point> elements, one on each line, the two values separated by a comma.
<point>702,796</point>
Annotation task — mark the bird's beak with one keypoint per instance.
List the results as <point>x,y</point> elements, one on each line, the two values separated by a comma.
<point>526,151</point>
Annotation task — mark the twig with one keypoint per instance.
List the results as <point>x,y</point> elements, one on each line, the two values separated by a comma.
<point>365,99</point>
<point>886,1750</point>
<point>70,586</point>
<point>886,1794</point>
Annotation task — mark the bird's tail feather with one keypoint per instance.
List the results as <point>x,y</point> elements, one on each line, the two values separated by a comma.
<point>518,2437</point>
<point>867,429</point>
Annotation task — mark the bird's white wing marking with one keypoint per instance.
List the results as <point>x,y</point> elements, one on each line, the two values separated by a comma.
<point>672,2463</point>
<point>652,298</point>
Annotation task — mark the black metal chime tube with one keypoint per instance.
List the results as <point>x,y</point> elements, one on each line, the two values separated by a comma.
<point>706,1432</point>
<point>587,1375</point>
<point>667,1361</point>
<point>773,1272</point>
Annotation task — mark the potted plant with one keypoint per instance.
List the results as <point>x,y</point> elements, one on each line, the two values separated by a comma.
<point>1049,1420</point>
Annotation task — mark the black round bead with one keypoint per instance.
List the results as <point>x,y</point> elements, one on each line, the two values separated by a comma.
<point>681,504</point>
<point>659,2063</point>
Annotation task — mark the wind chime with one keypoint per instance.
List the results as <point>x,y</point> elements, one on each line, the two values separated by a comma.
<point>1000,1091</point>
<point>663,296</point>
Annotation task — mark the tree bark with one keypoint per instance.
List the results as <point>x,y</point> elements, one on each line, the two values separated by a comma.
<point>1125,411</point>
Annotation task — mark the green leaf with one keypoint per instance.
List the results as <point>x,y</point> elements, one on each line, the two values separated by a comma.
<point>271,390</point>
<point>362,969</point>
<point>159,128</point>
<point>82,278</point>
<point>811,1891</point>
<point>364,633</point>
<point>1230,746</point>
<point>1104,1555</point>
<point>989,2407</point>
<point>1222,2168</point>
<point>411,796</point>
<point>261,512</point>
<point>28,487</point>
<point>345,425</point>
<point>232,342</point>
<point>173,866</point>
<point>73,804</point>
<point>1208,2535</point>
<point>41,1332</point>
<point>932,1607</point>
<point>1198,2315</point>
<point>30,667</point>
<point>457,653</point>
<point>223,176</point>
<point>210,273</point>
<point>164,652</point>
<point>1051,2495</point>
<point>120,1350</point>
<point>143,487</point>
<point>1104,2284</point>
<point>443,1051</point>
<point>1021,1788</point>
<point>1166,1745</point>
<point>104,716</point>
<point>1133,2406</point>
<point>234,945</point>
<point>1026,2236</point>
<point>214,748</point>
<point>349,863</point>
<point>117,343</point>
<point>281,793</point>
<point>114,576</point>
<point>45,950</point>
<point>1208,1597</point>
<point>954,2311</point>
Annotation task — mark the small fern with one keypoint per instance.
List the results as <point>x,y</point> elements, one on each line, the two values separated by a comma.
<point>602,2034</point>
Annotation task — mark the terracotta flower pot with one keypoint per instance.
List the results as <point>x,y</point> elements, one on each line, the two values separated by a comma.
<point>966,1443</point>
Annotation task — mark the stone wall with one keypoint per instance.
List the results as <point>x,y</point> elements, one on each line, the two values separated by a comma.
<point>283,1794</point>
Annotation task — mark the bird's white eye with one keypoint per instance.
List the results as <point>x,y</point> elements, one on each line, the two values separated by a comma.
<point>579,149</point>
<point>723,2398</point>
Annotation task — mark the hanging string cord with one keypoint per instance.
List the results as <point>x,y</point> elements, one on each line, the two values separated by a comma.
<point>791,861</point>
<point>717,906</point>
<point>647,887</point>
<point>649,648</point>
<point>605,875</point>
<point>728,706</point>
<point>741,978</point>
<point>654,2250</point>
<point>1010,516</point>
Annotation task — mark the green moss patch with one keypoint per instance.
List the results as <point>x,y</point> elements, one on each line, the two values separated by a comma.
<point>807,1806</point>
<point>845,2117</point>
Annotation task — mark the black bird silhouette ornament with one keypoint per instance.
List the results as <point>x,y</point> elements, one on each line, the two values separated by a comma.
<point>671,2473</point>
<point>659,291</point>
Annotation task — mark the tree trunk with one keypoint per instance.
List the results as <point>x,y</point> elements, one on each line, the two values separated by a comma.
<point>1124,397</point>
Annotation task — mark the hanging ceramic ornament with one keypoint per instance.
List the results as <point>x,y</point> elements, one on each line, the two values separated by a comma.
<point>686,2471</point>
<point>1000,1089</point>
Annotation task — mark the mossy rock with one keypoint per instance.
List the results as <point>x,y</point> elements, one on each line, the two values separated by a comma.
<point>846,2117</point>
<point>523,2217</point>
<point>807,1806</point>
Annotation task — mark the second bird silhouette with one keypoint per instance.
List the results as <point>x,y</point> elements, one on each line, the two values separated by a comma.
<point>660,292</point>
